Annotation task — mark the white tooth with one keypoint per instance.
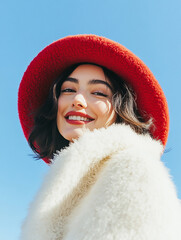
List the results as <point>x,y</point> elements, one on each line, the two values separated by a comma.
<point>83,119</point>
<point>78,118</point>
<point>72,117</point>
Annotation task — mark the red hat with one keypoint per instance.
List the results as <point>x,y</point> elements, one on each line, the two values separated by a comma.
<point>59,55</point>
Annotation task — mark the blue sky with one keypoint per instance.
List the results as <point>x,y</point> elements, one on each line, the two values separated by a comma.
<point>151,29</point>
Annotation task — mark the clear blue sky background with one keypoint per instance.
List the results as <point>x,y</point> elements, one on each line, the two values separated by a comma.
<point>151,29</point>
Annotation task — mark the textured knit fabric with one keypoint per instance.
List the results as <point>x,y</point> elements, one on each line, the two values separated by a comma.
<point>55,58</point>
<point>108,185</point>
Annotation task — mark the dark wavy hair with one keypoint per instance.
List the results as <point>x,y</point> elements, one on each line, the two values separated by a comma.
<point>45,138</point>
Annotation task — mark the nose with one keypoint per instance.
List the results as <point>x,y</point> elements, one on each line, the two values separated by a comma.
<point>79,101</point>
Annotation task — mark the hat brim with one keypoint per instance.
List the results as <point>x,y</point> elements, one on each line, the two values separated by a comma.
<point>59,55</point>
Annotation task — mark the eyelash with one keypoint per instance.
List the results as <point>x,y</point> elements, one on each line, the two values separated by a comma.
<point>94,93</point>
<point>67,90</point>
<point>100,94</point>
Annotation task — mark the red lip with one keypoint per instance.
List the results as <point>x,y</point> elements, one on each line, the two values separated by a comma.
<point>77,122</point>
<point>72,113</point>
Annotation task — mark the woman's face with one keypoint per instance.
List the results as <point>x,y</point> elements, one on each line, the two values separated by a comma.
<point>84,102</point>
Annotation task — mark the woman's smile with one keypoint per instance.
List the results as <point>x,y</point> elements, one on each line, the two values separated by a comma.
<point>84,102</point>
<point>77,118</point>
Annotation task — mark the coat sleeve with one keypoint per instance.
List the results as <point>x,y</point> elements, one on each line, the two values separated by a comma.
<point>134,198</point>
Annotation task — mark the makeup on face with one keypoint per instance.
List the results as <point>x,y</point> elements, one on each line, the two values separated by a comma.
<point>84,102</point>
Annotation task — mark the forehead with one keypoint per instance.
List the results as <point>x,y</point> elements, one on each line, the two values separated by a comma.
<point>88,72</point>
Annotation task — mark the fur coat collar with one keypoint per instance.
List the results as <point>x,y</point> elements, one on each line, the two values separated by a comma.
<point>109,184</point>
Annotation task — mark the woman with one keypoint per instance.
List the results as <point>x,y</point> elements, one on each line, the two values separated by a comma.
<point>93,111</point>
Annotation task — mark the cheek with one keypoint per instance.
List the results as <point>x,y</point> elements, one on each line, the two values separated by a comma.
<point>103,108</point>
<point>105,113</point>
<point>61,105</point>
<point>60,113</point>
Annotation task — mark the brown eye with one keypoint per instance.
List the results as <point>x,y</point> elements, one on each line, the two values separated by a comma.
<point>67,90</point>
<point>100,94</point>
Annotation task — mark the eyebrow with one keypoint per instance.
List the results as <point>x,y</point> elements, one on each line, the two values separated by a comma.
<point>91,82</point>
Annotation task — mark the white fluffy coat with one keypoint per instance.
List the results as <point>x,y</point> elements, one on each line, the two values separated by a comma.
<point>108,185</point>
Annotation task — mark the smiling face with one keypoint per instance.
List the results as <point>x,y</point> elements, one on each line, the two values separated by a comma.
<point>84,102</point>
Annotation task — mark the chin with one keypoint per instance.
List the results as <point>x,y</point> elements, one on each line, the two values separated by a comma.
<point>75,134</point>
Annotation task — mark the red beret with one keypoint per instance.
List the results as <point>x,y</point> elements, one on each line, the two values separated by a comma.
<point>59,55</point>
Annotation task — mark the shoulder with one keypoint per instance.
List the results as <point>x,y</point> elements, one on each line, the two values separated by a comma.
<point>133,194</point>
<point>117,137</point>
